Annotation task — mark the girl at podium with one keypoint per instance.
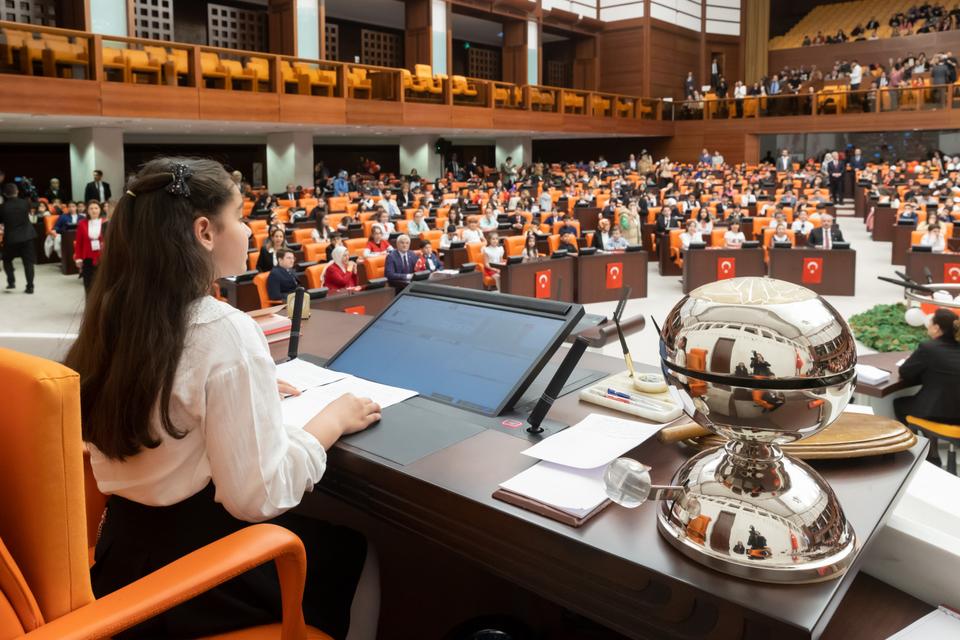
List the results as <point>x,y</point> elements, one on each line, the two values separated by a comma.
<point>933,238</point>
<point>530,252</point>
<point>733,238</point>
<point>180,407</point>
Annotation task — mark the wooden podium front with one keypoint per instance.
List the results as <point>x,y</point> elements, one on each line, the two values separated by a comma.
<point>521,279</point>
<point>884,220</point>
<point>601,276</point>
<point>944,267</point>
<point>702,266</point>
<point>901,243</point>
<point>826,271</point>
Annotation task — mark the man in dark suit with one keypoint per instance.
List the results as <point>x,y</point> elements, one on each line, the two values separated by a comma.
<point>784,162</point>
<point>18,236</point>
<point>405,198</point>
<point>453,166</point>
<point>292,193</point>
<point>98,189</point>
<point>400,264</point>
<point>835,171</point>
<point>826,235</point>
<point>282,282</point>
<point>935,365</point>
<point>857,161</point>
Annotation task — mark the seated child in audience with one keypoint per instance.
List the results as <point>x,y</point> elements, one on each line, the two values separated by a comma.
<point>617,241</point>
<point>779,235</point>
<point>733,238</point>
<point>530,252</point>
<point>472,233</point>
<point>568,243</point>
<point>449,237</point>
<point>428,260</point>
<point>690,235</point>
<point>493,254</point>
<point>336,240</point>
<point>417,226</point>
<point>376,243</point>
<point>802,225</point>
<point>933,238</point>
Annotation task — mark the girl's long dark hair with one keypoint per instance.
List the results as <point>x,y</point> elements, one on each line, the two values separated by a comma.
<point>135,321</point>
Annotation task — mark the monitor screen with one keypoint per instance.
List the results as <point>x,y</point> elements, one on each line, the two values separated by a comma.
<point>467,355</point>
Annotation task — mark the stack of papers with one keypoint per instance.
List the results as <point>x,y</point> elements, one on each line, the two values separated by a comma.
<point>319,387</point>
<point>941,624</point>
<point>871,375</point>
<point>569,476</point>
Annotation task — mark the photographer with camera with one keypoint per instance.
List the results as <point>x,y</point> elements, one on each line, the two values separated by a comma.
<point>18,235</point>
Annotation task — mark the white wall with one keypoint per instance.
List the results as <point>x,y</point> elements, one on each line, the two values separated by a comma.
<point>96,148</point>
<point>520,149</point>
<point>109,17</point>
<point>438,32</point>
<point>289,159</point>
<point>308,29</point>
<point>417,152</point>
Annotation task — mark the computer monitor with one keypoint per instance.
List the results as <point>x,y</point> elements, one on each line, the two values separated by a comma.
<point>474,350</point>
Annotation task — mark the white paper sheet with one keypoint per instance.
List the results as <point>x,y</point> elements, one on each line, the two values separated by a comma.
<point>859,408</point>
<point>871,375</point>
<point>942,624</point>
<point>576,491</point>
<point>305,375</point>
<point>299,410</point>
<point>593,442</point>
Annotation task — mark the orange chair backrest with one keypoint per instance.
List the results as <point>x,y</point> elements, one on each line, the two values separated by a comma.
<point>315,251</point>
<point>572,223</point>
<point>258,226</point>
<point>675,238</point>
<point>374,266</point>
<point>697,359</point>
<point>260,280</point>
<point>43,523</point>
<point>314,275</point>
<point>356,246</point>
<point>302,235</point>
<point>423,71</point>
<point>475,252</point>
<point>252,257</point>
<point>259,239</point>
<point>49,221</point>
<point>209,62</point>
<point>513,245</point>
<point>260,68</point>
<point>337,204</point>
<point>716,237</point>
<point>433,235</point>
<point>768,233</point>
<point>553,242</point>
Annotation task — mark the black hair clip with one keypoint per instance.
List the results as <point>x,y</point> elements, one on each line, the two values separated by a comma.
<point>181,174</point>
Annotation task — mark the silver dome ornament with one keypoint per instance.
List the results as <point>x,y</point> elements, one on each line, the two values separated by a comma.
<point>761,362</point>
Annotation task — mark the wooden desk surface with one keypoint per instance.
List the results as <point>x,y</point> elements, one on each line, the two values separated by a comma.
<point>941,266</point>
<point>617,570</point>
<point>888,362</point>
<point>839,276</point>
<point>702,266</point>
<point>592,276</point>
<point>373,301</point>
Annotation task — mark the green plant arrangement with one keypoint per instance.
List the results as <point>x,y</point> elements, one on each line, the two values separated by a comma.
<point>883,328</point>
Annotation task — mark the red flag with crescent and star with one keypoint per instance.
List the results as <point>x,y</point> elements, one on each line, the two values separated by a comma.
<point>614,275</point>
<point>726,268</point>
<point>812,271</point>
<point>951,272</point>
<point>542,284</point>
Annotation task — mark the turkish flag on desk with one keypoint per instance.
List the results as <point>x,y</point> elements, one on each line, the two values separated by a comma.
<point>542,284</point>
<point>358,310</point>
<point>726,268</point>
<point>812,271</point>
<point>614,275</point>
<point>951,272</point>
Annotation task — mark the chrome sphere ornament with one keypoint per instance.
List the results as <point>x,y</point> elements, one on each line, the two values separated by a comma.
<point>761,362</point>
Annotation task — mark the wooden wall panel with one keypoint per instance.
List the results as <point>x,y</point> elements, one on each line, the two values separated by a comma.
<point>865,52</point>
<point>586,65</point>
<point>282,27</point>
<point>418,46</point>
<point>515,51</point>
<point>621,59</point>
<point>729,46</point>
<point>673,53</point>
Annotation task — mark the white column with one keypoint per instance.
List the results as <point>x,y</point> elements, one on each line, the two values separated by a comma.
<point>438,35</point>
<point>533,43</point>
<point>109,17</point>
<point>96,148</point>
<point>520,149</point>
<point>308,29</point>
<point>289,160</point>
<point>419,152</point>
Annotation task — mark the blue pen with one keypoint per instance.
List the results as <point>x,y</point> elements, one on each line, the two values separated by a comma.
<point>619,394</point>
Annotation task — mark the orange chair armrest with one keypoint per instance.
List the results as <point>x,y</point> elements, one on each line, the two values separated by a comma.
<point>190,576</point>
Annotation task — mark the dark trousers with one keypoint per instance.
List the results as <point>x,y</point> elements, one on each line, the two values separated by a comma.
<point>836,190</point>
<point>902,408</point>
<point>87,272</point>
<point>27,254</point>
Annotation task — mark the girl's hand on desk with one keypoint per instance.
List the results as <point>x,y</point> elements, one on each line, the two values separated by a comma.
<point>345,415</point>
<point>286,389</point>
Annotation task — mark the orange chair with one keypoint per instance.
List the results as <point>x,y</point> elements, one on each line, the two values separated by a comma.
<point>315,251</point>
<point>460,86</point>
<point>213,71</point>
<point>374,266</point>
<point>553,242</point>
<point>259,239</point>
<point>561,223</point>
<point>337,204</point>
<point>357,81</point>
<point>433,235</point>
<point>697,361</point>
<point>315,275</point>
<point>49,222</point>
<point>260,280</point>
<point>716,237</point>
<point>257,226</point>
<point>302,236</point>
<point>356,246</point>
<point>675,246</point>
<point>768,241</point>
<point>252,257</point>
<point>513,245</point>
<point>44,563</point>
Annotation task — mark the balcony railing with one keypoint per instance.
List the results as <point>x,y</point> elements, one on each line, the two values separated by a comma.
<point>29,50</point>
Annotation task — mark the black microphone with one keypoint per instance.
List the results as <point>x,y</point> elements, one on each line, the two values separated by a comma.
<point>907,285</point>
<point>294,345</point>
<point>928,275</point>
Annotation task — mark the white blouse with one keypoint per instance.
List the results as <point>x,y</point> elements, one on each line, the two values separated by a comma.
<point>225,397</point>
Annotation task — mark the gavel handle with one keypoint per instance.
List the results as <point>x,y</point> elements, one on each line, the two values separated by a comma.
<point>687,431</point>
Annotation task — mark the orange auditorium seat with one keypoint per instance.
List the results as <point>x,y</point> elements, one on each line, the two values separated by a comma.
<point>355,246</point>
<point>260,280</point>
<point>47,524</point>
<point>374,266</point>
<point>314,275</point>
<point>315,251</point>
<point>513,245</point>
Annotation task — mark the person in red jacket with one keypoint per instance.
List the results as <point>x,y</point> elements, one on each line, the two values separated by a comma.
<point>90,232</point>
<point>341,273</point>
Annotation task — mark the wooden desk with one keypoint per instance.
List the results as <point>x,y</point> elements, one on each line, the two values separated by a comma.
<point>67,266</point>
<point>839,277</point>
<point>242,295</point>
<point>521,279</point>
<point>702,266</point>
<point>618,570</point>
<point>940,264</point>
<point>587,217</point>
<point>667,266</point>
<point>901,243</point>
<point>648,232</point>
<point>592,276</point>
<point>884,219</point>
<point>469,280</point>
<point>370,301</point>
<point>887,362</point>
<point>453,258</point>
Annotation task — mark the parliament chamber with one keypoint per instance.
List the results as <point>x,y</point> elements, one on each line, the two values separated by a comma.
<point>472,319</point>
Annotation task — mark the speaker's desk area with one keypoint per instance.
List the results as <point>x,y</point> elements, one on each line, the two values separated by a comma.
<point>616,570</point>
